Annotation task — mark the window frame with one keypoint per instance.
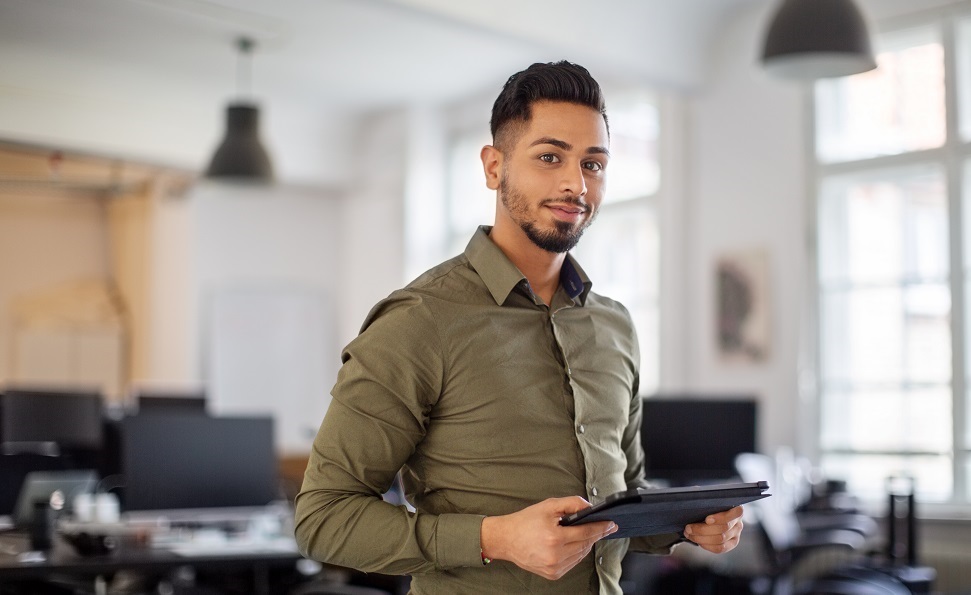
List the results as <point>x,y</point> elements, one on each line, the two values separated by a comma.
<point>952,157</point>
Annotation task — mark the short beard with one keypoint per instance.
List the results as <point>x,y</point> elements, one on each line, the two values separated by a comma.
<point>563,238</point>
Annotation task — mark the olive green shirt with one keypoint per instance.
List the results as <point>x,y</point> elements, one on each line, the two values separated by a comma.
<point>488,401</point>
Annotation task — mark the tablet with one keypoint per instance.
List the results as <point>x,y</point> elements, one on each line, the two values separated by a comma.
<point>643,511</point>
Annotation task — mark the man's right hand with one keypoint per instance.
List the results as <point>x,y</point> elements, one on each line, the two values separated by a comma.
<point>534,540</point>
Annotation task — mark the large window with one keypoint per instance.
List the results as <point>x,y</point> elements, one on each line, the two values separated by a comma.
<point>892,163</point>
<point>620,251</point>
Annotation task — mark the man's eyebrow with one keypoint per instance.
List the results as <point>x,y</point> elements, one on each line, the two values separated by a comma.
<point>549,140</point>
<point>561,144</point>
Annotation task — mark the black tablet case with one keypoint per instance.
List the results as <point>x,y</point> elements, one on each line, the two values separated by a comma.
<point>643,511</point>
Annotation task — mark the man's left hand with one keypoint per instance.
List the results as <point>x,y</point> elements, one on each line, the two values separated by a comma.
<point>719,533</point>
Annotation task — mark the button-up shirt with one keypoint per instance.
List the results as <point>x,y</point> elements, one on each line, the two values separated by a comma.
<point>487,400</point>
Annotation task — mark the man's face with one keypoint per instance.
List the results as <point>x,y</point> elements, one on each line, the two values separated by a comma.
<point>553,177</point>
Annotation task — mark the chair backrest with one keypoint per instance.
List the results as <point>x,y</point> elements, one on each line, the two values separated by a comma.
<point>777,519</point>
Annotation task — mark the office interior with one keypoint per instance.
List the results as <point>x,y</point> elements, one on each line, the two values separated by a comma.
<point>126,271</point>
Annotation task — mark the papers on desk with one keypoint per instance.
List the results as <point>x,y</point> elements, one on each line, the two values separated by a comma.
<point>199,532</point>
<point>258,538</point>
<point>232,547</point>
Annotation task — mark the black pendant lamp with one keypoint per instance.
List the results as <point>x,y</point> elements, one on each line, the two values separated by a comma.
<point>813,39</point>
<point>241,156</point>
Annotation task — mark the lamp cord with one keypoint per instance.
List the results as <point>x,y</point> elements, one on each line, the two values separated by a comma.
<point>244,67</point>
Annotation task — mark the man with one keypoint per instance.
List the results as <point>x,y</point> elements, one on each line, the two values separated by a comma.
<point>502,387</point>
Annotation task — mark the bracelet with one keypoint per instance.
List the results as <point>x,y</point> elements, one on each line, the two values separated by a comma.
<point>485,561</point>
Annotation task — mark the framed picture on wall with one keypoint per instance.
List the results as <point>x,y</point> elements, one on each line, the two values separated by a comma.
<point>742,306</point>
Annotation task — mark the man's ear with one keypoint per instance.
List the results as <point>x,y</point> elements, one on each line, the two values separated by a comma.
<point>491,166</point>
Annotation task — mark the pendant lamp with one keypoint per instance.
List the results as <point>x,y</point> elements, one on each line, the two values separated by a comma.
<point>813,39</point>
<point>241,156</point>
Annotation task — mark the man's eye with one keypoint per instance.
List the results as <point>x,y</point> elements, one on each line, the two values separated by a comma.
<point>593,165</point>
<point>549,158</point>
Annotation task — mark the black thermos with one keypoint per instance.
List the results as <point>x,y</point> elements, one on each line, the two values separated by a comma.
<point>42,526</point>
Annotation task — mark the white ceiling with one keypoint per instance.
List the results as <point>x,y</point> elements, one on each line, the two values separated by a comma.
<point>359,53</point>
<point>163,58</point>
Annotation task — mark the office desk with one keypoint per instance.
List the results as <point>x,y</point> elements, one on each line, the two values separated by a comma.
<point>62,560</point>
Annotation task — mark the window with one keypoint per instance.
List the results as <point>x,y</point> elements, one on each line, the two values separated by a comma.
<point>621,250</point>
<point>627,269</point>
<point>891,395</point>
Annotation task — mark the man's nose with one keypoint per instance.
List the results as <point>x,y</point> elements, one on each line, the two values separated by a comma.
<point>573,181</point>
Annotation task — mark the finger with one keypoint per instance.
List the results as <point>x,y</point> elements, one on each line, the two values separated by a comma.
<point>711,535</point>
<point>701,531</point>
<point>725,516</point>
<point>720,548</point>
<point>569,557</point>
<point>578,556</point>
<point>573,559</point>
<point>711,528</point>
<point>588,533</point>
<point>693,531</point>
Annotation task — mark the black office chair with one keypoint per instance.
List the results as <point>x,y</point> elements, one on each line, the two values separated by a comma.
<point>784,541</point>
<point>854,581</point>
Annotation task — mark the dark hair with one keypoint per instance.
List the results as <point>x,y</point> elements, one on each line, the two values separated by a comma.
<point>552,81</point>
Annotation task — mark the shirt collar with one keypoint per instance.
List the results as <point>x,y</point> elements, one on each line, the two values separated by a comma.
<point>501,276</point>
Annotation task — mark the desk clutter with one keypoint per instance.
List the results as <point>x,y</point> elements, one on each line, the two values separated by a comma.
<point>89,494</point>
<point>265,529</point>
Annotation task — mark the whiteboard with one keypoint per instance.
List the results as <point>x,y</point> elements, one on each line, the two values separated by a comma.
<point>269,352</point>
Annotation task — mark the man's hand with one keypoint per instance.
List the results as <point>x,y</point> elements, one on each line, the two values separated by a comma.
<point>534,540</point>
<point>719,533</point>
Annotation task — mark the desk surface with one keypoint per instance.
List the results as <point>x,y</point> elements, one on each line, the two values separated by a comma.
<point>63,559</point>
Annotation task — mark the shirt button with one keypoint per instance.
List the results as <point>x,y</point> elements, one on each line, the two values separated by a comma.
<point>569,372</point>
<point>600,561</point>
<point>594,491</point>
<point>581,429</point>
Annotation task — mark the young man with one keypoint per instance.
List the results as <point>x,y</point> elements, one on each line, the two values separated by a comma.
<point>500,385</point>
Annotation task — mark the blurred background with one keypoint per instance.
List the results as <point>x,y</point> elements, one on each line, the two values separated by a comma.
<point>832,211</point>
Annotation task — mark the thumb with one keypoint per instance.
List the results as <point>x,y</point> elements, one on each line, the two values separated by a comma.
<point>563,506</point>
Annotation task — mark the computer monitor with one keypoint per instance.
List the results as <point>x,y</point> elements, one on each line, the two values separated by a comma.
<point>695,440</point>
<point>68,419</point>
<point>14,469</point>
<point>190,461</point>
<point>156,402</point>
<point>57,488</point>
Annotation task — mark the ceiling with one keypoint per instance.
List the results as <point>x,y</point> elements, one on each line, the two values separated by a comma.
<point>171,64</point>
<point>357,53</point>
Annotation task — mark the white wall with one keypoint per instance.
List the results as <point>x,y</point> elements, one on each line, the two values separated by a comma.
<point>747,188</point>
<point>270,257</point>
<point>372,253</point>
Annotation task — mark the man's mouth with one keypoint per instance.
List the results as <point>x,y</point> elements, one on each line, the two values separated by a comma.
<point>567,211</point>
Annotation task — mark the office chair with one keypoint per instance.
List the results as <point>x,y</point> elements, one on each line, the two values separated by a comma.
<point>854,581</point>
<point>790,496</point>
<point>784,541</point>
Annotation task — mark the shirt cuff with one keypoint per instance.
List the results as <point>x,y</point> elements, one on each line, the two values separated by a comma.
<point>458,539</point>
